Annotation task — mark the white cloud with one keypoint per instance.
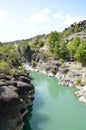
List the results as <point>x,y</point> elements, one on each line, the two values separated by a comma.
<point>2,15</point>
<point>66,19</point>
<point>46,20</point>
<point>59,15</point>
<point>40,17</point>
<point>70,20</point>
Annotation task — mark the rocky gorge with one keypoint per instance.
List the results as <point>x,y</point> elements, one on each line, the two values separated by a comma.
<point>68,73</point>
<point>16,95</point>
<point>37,54</point>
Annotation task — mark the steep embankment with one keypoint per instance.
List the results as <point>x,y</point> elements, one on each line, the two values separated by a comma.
<point>16,91</point>
<point>16,94</point>
<point>69,73</point>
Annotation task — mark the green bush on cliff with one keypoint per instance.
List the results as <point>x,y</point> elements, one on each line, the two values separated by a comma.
<point>57,46</point>
<point>1,44</point>
<point>37,43</point>
<point>53,40</point>
<point>15,71</point>
<point>9,59</point>
<point>61,60</point>
<point>73,46</point>
<point>10,55</point>
<point>80,54</point>
<point>53,70</point>
<point>33,63</point>
<point>13,58</point>
<point>4,67</point>
<point>21,69</point>
<point>78,81</point>
<point>44,55</point>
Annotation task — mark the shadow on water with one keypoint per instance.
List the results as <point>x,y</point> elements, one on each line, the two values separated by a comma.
<point>31,78</point>
<point>27,117</point>
<point>45,87</point>
<point>33,122</point>
<point>54,107</point>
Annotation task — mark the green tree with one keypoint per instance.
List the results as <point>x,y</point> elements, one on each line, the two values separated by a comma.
<point>37,42</point>
<point>53,40</point>
<point>57,46</point>
<point>4,67</point>
<point>61,51</point>
<point>80,54</point>
<point>56,50</point>
<point>73,46</point>
<point>41,44</point>
<point>1,44</point>
<point>13,58</point>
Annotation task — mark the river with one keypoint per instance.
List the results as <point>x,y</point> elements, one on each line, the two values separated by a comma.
<point>54,107</point>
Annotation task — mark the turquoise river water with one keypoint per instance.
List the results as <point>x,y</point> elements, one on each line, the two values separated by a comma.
<point>54,107</point>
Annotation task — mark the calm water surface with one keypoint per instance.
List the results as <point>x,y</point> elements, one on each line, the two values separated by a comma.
<point>54,107</point>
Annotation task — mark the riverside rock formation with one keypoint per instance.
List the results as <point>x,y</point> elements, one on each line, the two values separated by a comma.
<point>16,94</point>
<point>70,74</point>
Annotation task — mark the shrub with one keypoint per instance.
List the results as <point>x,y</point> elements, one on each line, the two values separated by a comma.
<point>44,55</point>
<point>78,81</point>
<point>53,70</point>
<point>21,69</point>
<point>13,72</point>
<point>4,67</point>
<point>62,65</point>
<point>61,60</point>
<point>33,63</point>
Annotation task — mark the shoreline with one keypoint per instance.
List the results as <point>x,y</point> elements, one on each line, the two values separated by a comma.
<point>64,79</point>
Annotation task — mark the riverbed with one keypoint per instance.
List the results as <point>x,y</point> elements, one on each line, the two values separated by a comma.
<point>54,107</point>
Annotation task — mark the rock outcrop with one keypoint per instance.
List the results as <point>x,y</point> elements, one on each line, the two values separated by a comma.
<point>14,93</point>
<point>69,74</point>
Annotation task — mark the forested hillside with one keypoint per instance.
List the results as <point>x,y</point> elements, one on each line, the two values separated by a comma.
<point>67,45</point>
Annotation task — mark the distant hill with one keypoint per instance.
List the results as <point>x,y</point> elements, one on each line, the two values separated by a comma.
<point>75,28</point>
<point>42,37</point>
<point>68,34</point>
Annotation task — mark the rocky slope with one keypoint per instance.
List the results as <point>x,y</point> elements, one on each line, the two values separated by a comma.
<point>74,28</point>
<point>70,73</point>
<point>16,94</point>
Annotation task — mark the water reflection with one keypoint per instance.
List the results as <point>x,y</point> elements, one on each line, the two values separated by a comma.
<point>54,107</point>
<point>33,122</point>
<point>27,118</point>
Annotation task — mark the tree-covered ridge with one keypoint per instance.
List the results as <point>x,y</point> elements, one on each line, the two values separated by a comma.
<point>9,59</point>
<point>73,50</point>
<point>42,38</point>
<point>74,28</point>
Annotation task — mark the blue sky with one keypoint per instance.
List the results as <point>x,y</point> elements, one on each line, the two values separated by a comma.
<point>22,19</point>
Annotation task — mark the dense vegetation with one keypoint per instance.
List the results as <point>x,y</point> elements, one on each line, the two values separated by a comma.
<point>9,60</point>
<point>37,43</point>
<point>74,28</point>
<point>75,50</point>
<point>57,46</point>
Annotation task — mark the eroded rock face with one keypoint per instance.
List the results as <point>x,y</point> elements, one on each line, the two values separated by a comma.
<point>13,103</point>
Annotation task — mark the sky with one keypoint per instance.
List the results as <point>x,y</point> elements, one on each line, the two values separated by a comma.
<point>23,19</point>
